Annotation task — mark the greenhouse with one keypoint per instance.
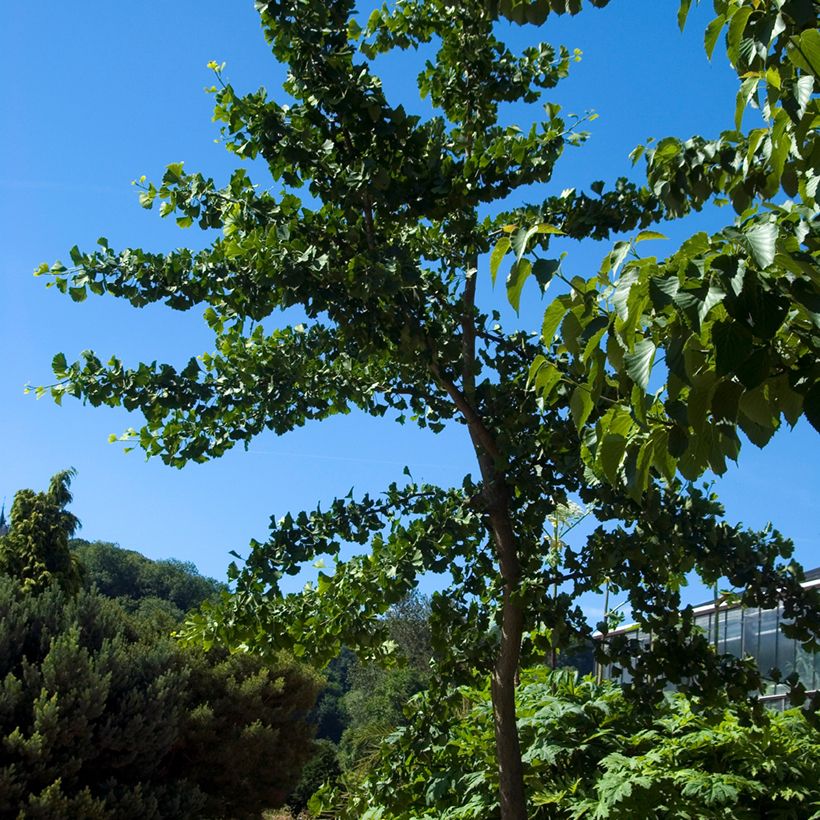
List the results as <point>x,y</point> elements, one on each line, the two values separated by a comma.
<point>739,631</point>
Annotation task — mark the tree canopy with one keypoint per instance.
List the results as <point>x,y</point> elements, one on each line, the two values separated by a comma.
<point>380,258</point>
<point>132,578</point>
<point>732,317</point>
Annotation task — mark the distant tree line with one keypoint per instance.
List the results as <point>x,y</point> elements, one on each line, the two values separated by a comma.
<point>133,579</point>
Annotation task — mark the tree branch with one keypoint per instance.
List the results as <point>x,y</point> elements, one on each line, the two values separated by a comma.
<point>478,432</point>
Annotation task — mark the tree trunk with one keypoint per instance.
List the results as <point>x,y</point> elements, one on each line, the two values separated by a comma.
<point>505,670</point>
<point>508,751</point>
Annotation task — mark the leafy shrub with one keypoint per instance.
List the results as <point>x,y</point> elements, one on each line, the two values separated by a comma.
<point>104,716</point>
<point>589,753</point>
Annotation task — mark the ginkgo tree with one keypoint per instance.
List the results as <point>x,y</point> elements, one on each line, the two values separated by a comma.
<point>382,258</point>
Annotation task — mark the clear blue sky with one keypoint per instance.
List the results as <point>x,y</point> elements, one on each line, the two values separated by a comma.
<point>96,94</point>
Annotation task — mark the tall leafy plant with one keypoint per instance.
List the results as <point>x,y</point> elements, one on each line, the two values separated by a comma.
<point>382,259</point>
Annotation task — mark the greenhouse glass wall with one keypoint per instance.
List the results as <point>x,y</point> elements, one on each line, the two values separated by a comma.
<point>756,632</point>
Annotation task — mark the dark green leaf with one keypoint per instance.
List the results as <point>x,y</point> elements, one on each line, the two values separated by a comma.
<point>580,405</point>
<point>725,402</point>
<point>610,454</point>
<point>755,369</point>
<point>811,406</point>
<point>544,270</point>
<point>733,344</point>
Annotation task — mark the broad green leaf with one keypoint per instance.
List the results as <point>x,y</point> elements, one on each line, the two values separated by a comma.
<point>537,363</point>
<point>644,235</point>
<point>59,365</point>
<point>683,13</point>
<point>748,89</point>
<point>519,273</point>
<point>637,469</point>
<point>789,402</point>
<point>571,331</point>
<point>639,362</point>
<point>712,33</point>
<point>610,454</point>
<point>552,318</point>
<point>697,245</point>
<point>521,239</point>
<point>695,460</point>
<point>550,230</point>
<point>758,407</point>
<point>593,333</point>
<point>663,460</point>
<point>725,402</point>
<point>618,255</point>
<point>581,405</point>
<point>760,435</point>
<point>805,51</point>
<point>737,25</point>
<point>732,343</point>
<point>761,240</point>
<point>615,352</point>
<point>699,400</point>
<point>620,298</point>
<point>545,379</point>
<point>662,290</point>
<point>174,170</point>
<point>803,89</point>
<point>544,269</point>
<point>498,254</point>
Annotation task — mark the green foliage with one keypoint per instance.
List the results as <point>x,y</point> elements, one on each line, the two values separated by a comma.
<point>131,577</point>
<point>90,710</point>
<point>323,767</point>
<point>329,715</point>
<point>244,736</point>
<point>381,256</point>
<point>734,316</point>
<point>103,716</point>
<point>36,548</point>
<point>589,753</point>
